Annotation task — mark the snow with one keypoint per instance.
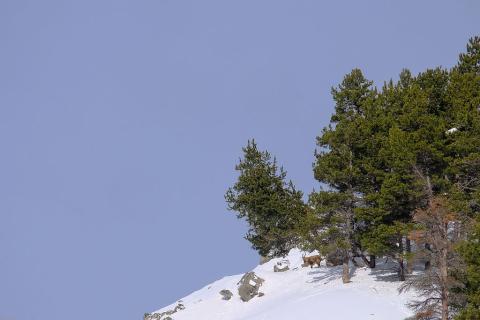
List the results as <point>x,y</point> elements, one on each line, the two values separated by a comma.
<point>452,130</point>
<point>303,292</point>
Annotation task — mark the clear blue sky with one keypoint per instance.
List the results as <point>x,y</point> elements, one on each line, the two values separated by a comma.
<point>121,122</point>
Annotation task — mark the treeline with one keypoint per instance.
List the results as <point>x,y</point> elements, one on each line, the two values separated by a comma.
<point>399,170</point>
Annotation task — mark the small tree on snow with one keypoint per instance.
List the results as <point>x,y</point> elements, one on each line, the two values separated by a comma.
<point>271,206</point>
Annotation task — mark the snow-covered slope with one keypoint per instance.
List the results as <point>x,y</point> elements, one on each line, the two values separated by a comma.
<point>301,292</point>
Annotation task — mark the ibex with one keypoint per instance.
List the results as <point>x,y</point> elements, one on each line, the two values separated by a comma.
<point>311,261</point>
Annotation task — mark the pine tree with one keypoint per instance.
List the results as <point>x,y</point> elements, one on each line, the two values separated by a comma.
<point>411,152</point>
<point>464,168</point>
<point>272,207</point>
<point>448,163</point>
<point>469,62</point>
<point>391,160</point>
<point>469,251</point>
<point>338,166</point>
<point>463,141</point>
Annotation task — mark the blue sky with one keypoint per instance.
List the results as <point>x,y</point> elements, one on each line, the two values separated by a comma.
<point>121,123</point>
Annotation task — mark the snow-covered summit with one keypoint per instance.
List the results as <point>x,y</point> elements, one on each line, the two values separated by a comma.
<point>299,293</point>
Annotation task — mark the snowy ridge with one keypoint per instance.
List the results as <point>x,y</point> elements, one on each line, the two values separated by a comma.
<point>302,292</point>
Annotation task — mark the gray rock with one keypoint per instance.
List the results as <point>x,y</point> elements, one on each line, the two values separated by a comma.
<point>179,306</point>
<point>164,315</point>
<point>280,268</point>
<point>261,294</point>
<point>226,294</point>
<point>249,286</point>
<point>151,316</point>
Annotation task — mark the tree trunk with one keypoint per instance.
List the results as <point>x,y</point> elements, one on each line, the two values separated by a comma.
<point>444,275</point>
<point>427,263</point>
<point>444,293</point>
<point>409,255</point>
<point>401,269</point>
<point>346,271</point>
<point>444,304</point>
<point>373,261</point>
<point>370,263</point>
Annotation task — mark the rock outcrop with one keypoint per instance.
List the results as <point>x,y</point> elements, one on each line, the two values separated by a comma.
<point>226,294</point>
<point>281,266</point>
<point>164,315</point>
<point>249,286</point>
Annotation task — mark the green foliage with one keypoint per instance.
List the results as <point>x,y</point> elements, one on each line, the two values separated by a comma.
<point>331,229</point>
<point>272,207</point>
<point>464,166</point>
<point>338,165</point>
<point>470,62</point>
<point>388,152</point>
<point>470,251</point>
<point>384,156</point>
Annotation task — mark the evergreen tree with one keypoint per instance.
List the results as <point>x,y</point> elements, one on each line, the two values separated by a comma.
<point>337,166</point>
<point>410,156</point>
<point>447,147</point>
<point>406,157</point>
<point>464,168</point>
<point>272,207</point>
<point>470,252</point>
<point>394,202</point>
<point>463,140</point>
<point>469,62</point>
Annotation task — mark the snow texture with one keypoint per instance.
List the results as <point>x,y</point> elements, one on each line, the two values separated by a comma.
<point>304,293</point>
<point>452,130</point>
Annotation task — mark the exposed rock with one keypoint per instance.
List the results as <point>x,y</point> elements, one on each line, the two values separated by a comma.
<point>180,306</point>
<point>226,294</point>
<point>280,269</point>
<point>261,294</point>
<point>249,286</point>
<point>281,266</point>
<point>152,316</point>
<point>358,262</point>
<point>163,315</point>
